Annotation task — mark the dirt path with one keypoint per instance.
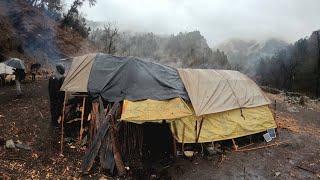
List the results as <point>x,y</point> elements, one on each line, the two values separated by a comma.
<point>27,119</point>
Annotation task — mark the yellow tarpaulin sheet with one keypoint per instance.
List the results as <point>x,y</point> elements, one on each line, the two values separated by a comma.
<point>224,125</point>
<point>153,110</point>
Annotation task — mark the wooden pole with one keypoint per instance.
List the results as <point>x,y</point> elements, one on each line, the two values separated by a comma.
<point>94,112</point>
<point>198,135</point>
<point>269,145</point>
<point>235,146</point>
<point>174,145</point>
<point>62,123</point>
<point>196,131</point>
<point>82,116</point>
<point>184,128</point>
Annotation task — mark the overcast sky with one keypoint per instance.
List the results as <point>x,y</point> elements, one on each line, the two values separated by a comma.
<point>217,20</point>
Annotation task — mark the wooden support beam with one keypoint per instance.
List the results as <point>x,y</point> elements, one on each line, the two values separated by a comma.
<point>198,135</point>
<point>184,128</point>
<point>174,145</point>
<point>93,122</point>
<point>235,146</point>
<point>82,116</point>
<point>62,123</point>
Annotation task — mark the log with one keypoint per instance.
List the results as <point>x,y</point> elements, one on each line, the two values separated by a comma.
<point>93,150</point>
<point>116,150</point>
<point>94,112</point>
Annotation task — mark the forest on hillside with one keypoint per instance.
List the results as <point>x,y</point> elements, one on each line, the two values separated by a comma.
<point>296,67</point>
<point>189,49</point>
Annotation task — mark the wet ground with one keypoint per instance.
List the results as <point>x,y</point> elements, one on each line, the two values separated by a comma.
<point>27,119</point>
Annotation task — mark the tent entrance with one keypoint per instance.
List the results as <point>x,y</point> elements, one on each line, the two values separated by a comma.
<point>145,147</point>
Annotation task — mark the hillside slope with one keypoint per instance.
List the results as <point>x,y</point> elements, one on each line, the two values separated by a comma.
<point>32,35</point>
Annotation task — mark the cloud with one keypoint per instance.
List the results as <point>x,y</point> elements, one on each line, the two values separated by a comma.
<point>217,20</point>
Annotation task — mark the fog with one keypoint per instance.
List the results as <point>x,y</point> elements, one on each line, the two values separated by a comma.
<point>217,20</point>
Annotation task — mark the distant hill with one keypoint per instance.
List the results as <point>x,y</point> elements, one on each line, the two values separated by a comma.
<point>34,36</point>
<point>242,54</point>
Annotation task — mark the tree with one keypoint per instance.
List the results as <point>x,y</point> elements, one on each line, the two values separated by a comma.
<point>109,37</point>
<point>75,20</point>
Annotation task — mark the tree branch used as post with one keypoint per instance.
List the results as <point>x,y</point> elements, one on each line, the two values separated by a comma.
<point>62,123</point>
<point>82,116</point>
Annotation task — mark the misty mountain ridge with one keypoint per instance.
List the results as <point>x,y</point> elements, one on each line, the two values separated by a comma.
<point>240,52</point>
<point>251,48</point>
<point>243,54</point>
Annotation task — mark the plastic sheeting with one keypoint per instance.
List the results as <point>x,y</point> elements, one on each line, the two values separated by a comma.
<point>213,91</point>
<point>4,69</point>
<point>154,111</point>
<point>223,125</point>
<point>118,78</point>
<point>78,74</point>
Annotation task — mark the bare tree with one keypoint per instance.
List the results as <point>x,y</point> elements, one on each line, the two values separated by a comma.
<point>109,37</point>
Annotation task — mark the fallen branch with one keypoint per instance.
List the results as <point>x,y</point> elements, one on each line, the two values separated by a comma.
<point>245,146</point>
<point>261,147</point>
<point>41,114</point>
<point>308,170</point>
<point>13,158</point>
<point>73,120</point>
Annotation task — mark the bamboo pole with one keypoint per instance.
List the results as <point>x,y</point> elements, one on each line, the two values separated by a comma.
<point>269,145</point>
<point>82,116</point>
<point>62,123</point>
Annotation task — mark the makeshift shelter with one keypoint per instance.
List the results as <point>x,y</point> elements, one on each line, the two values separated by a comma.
<point>200,105</point>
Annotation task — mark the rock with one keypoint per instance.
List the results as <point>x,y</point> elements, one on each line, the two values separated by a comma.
<point>277,174</point>
<point>291,162</point>
<point>23,146</point>
<point>10,144</point>
<point>293,109</point>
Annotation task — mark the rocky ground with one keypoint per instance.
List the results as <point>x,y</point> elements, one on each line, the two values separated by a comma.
<point>27,119</point>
